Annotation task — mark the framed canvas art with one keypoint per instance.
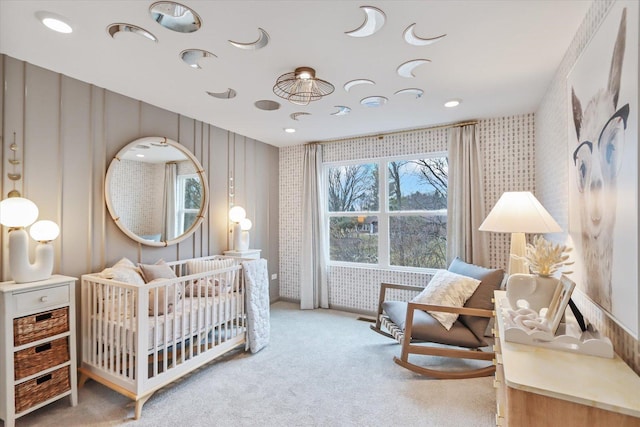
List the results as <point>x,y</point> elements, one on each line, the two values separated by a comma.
<point>603,166</point>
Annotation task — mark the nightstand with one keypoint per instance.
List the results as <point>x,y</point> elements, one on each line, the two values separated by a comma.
<point>248,254</point>
<point>37,332</point>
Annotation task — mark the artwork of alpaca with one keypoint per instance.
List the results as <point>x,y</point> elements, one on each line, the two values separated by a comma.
<point>600,131</point>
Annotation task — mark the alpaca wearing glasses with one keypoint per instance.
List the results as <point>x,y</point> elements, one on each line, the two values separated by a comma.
<point>600,128</point>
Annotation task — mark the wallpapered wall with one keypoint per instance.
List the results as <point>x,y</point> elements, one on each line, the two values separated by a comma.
<point>552,171</point>
<point>67,132</point>
<point>508,150</point>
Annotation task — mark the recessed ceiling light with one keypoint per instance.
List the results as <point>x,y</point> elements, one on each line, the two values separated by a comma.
<point>289,130</point>
<point>54,22</point>
<point>175,16</point>
<point>373,101</point>
<point>452,103</point>
<point>139,155</point>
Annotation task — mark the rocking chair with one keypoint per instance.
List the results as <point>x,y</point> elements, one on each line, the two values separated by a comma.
<point>414,328</point>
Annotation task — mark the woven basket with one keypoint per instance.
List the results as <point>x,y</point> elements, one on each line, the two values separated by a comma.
<point>40,389</point>
<point>42,325</point>
<point>38,358</point>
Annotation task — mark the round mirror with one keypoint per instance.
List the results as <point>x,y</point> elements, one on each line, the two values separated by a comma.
<point>156,191</point>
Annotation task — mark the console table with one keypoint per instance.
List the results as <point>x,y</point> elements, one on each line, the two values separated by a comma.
<point>541,387</point>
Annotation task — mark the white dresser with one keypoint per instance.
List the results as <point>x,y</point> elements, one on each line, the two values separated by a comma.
<point>38,345</point>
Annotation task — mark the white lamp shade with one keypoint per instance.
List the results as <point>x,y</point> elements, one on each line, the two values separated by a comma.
<point>519,212</point>
<point>237,214</point>
<point>17,212</point>
<point>246,224</point>
<point>44,231</point>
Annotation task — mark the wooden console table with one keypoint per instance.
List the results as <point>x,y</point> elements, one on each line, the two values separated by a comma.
<point>542,387</point>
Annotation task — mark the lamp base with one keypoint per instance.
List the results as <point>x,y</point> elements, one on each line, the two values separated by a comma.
<point>22,271</point>
<point>518,248</point>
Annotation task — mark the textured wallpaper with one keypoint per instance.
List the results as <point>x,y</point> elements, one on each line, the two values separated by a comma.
<point>508,150</point>
<point>552,172</point>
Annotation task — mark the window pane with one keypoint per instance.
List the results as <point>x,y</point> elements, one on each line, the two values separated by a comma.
<point>418,184</point>
<point>418,241</point>
<point>192,193</point>
<point>354,239</point>
<point>353,188</point>
<point>189,219</point>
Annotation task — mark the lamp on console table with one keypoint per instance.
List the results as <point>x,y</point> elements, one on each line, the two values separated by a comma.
<point>241,227</point>
<point>16,213</point>
<point>519,212</point>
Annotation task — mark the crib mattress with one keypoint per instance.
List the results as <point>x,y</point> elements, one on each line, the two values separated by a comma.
<point>191,316</point>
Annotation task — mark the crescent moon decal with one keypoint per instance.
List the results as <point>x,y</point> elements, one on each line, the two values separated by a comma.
<point>228,94</point>
<point>373,21</point>
<point>352,83</point>
<point>114,29</point>
<point>410,37</point>
<point>294,116</point>
<point>191,57</point>
<point>373,101</point>
<point>263,40</point>
<point>406,69</point>
<point>342,110</point>
<point>415,91</point>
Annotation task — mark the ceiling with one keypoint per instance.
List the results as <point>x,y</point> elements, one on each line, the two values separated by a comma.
<point>498,58</point>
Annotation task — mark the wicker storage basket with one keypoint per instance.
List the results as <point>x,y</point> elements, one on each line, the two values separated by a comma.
<point>42,388</point>
<point>40,357</point>
<point>38,326</point>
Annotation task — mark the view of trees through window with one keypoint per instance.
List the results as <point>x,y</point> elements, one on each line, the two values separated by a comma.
<point>412,218</point>
<point>189,200</point>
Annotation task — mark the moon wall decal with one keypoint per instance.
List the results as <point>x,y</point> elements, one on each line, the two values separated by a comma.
<point>410,37</point>
<point>191,57</point>
<point>294,116</point>
<point>406,69</point>
<point>228,94</point>
<point>114,29</point>
<point>373,21</point>
<point>352,83</point>
<point>262,41</point>
<point>415,91</point>
<point>342,110</point>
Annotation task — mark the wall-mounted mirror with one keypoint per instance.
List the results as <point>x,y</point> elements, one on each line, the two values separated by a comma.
<point>156,191</point>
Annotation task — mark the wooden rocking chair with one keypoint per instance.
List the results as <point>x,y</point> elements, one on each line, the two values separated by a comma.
<point>416,330</point>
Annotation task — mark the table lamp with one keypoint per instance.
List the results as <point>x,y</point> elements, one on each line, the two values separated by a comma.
<point>16,213</point>
<point>519,212</point>
<point>236,215</point>
<point>245,226</point>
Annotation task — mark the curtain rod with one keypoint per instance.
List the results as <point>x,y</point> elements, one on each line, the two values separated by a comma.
<point>382,135</point>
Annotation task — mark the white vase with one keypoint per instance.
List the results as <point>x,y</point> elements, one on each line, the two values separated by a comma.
<point>530,291</point>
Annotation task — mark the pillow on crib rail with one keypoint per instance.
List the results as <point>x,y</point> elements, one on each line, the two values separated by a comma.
<point>163,292</point>
<point>159,270</point>
<point>123,271</point>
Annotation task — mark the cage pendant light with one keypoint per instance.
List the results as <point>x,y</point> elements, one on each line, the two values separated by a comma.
<point>302,86</point>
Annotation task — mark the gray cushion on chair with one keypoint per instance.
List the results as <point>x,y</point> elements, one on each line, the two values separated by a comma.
<point>426,328</point>
<point>481,298</point>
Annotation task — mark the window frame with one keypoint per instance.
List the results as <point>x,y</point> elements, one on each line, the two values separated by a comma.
<point>181,210</point>
<point>383,213</point>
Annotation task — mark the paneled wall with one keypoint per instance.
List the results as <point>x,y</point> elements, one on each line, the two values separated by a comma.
<point>507,145</point>
<point>67,133</point>
<point>552,171</point>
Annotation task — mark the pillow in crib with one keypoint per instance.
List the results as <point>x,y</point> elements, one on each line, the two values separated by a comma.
<point>123,271</point>
<point>208,287</point>
<point>163,307</point>
<point>159,270</point>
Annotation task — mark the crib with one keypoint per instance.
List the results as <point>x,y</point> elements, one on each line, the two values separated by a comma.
<point>188,322</point>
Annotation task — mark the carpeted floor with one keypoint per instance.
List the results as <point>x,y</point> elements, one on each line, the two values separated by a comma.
<point>321,368</point>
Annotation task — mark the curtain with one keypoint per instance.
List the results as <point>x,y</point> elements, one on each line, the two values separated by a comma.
<point>313,274</point>
<point>169,200</point>
<point>465,198</point>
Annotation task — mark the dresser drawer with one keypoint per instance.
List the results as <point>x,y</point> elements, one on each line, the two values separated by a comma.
<point>39,326</point>
<point>42,388</point>
<point>41,299</point>
<point>38,358</point>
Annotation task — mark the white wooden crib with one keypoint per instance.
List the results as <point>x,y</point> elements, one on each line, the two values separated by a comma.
<point>136,355</point>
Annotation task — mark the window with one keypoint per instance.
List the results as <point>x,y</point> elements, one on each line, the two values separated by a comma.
<point>401,224</point>
<point>188,201</point>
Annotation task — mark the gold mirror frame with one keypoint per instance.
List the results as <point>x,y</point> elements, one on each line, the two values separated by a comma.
<point>157,141</point>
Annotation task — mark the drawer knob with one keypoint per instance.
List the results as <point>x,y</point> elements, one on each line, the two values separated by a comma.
<point>44,299</point>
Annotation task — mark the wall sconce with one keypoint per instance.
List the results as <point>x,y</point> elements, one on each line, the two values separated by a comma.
<point>519,212</point>
<point>16,213</point>
<point>236,215</point>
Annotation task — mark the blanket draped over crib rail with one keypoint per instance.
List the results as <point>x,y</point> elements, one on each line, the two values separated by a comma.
<point>256,278</point>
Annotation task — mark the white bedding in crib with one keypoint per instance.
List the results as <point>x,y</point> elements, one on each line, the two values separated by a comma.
<point>190,317</point>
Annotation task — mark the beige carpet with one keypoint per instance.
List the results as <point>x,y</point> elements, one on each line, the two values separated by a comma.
<point>321,368</point>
